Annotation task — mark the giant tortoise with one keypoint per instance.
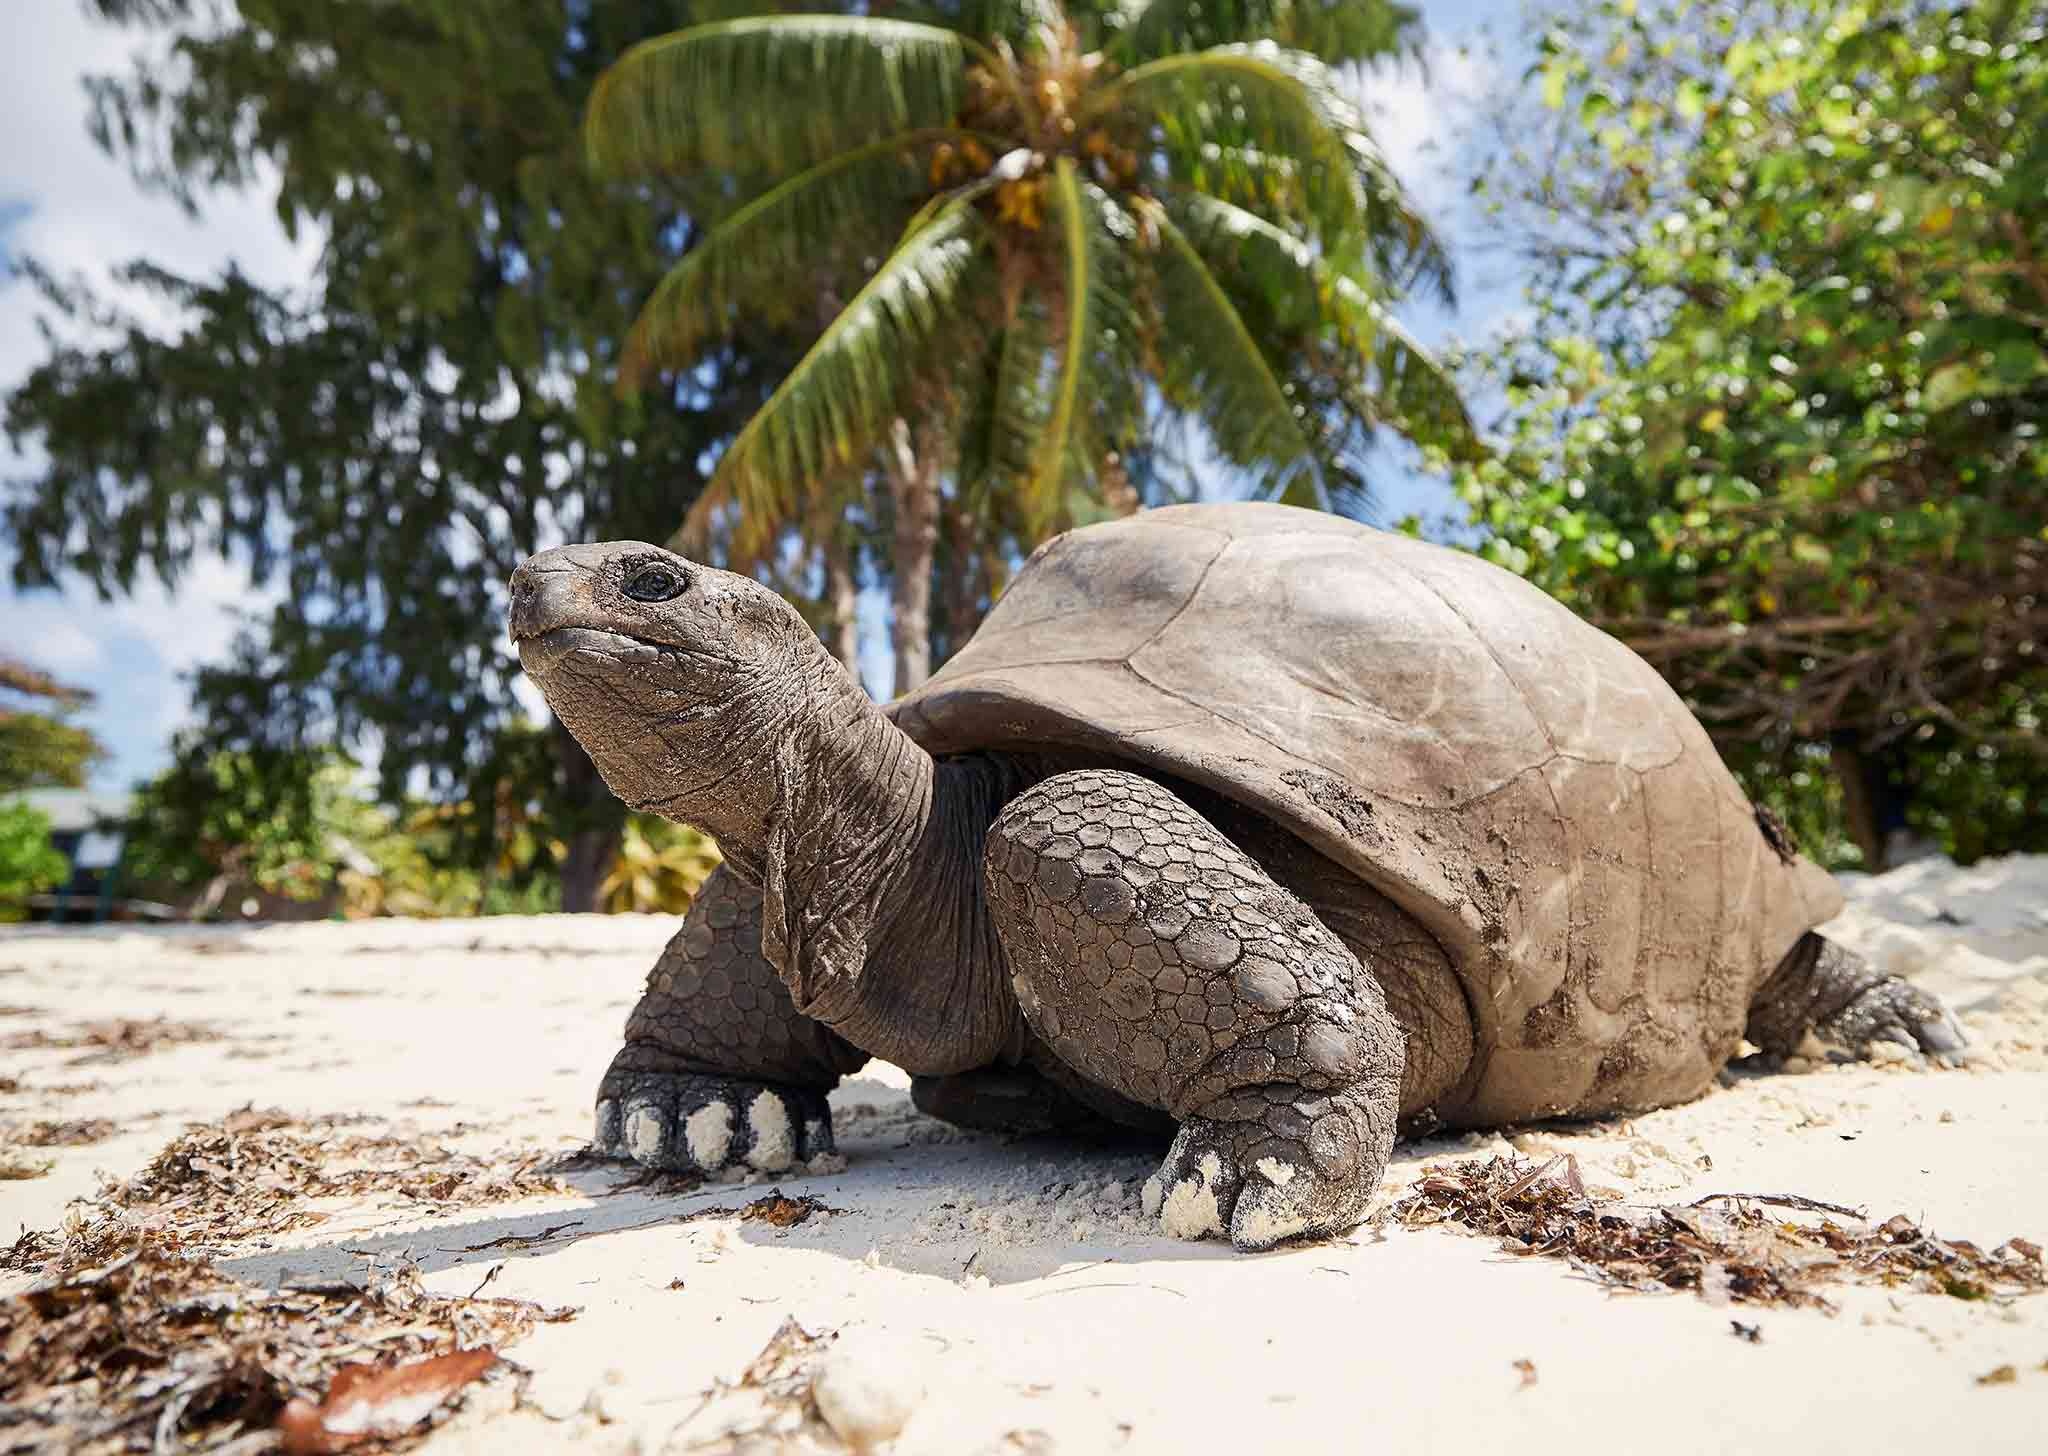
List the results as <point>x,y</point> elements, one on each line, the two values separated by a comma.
<point>1250,824</point>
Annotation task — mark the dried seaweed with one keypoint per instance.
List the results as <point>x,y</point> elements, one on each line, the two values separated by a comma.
<point>1741,1254</point>
<point>769,1407</point>
<point>779,1209</point>
<point>78,1132</point>
<point>155,1351</point>
<point>117,1040</point>
<point>18,1167</point>
<point>253,1173</point>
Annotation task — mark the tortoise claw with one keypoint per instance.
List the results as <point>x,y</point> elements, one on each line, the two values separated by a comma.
<point>1896,1011</point>
<point>696,1122</point>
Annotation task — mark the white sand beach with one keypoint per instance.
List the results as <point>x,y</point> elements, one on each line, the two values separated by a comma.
<point>1010,1291</point>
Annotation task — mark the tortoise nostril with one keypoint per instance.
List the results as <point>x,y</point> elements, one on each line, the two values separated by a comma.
<point>525,605</point>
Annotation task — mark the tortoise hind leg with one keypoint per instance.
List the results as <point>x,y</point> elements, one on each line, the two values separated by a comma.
<point>1157,960</point>
<point>1843,1000</point>
<point>719,1068</point>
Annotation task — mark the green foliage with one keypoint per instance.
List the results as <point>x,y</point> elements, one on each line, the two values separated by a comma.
<point>660,868</point>
<point>29,863</point>
<point>219,824</point>
<point>1776,423</point>
<point>1218,364</point>
<point>984,185</point>
<point>1334,32</point>
<point>39,746</point>
<point>277,822</point>
<point>422,862</point>
<point>1801,787</point>
<point>845,390</point>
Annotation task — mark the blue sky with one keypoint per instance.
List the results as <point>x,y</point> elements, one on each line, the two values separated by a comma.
<point>64,203</point>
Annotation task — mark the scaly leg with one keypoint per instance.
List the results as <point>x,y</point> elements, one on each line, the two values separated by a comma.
<point>1159,961</point>
<point>718,1068</point>
<point>1845,1001</point>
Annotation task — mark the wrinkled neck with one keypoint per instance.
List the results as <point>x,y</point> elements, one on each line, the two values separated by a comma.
<point>873,908</point>
<point>787,754</point>
<point>868,856</point>
<point>827,807</point>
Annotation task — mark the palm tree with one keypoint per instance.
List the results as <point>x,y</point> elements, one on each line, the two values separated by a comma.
<point>1057,224</point>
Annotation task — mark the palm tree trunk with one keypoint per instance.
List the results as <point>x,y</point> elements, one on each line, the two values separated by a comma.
<point>842,596</point>
<point>912,468</point>
<point>966,580</point>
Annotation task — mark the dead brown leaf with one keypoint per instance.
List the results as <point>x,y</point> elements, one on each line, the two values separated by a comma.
<point>2003,1375</point>
<point>378,1401</point>
<point>1736,1253</point>
<point>769,1406</point>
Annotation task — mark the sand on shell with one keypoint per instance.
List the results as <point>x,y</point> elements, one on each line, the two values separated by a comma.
<point>1043,1310</point>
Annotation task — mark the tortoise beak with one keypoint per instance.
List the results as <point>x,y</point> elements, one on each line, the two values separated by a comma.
<point>551,590</point>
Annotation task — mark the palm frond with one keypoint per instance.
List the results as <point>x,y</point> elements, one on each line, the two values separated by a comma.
<point>757,263</point>
<point>1250,249</point>
<point>1408,387</point>
<point>835,404</point>
<point>1016,21</point>
<point>1335,30</point>
<point>1402,379</point>
<point>1213,362</point>
<point>1092,343</point>
<point>1007,403</point>
<point>774,93</point>
<point>1269,128</point>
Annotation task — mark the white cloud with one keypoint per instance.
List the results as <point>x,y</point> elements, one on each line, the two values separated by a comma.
<point>195,623</point>
<point>85,215</point>
<point>1421,113</point>
<point>57,643</point>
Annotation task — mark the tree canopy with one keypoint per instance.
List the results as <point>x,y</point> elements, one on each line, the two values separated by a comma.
<point>40,747</point>
<point>1777,420</point>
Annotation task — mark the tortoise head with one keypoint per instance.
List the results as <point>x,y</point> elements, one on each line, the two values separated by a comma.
<point>669,673</point>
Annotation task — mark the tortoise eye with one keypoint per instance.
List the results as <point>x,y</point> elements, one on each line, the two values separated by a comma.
<point>655,583</point>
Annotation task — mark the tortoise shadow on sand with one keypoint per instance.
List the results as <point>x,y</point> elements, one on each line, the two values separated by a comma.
<point>929,1198</point>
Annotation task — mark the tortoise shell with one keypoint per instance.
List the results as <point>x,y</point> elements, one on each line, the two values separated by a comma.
<point>1523,785</point>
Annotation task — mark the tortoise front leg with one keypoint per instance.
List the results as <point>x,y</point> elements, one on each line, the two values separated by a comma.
<point>1156,959</point>
<point>718,1067</point>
